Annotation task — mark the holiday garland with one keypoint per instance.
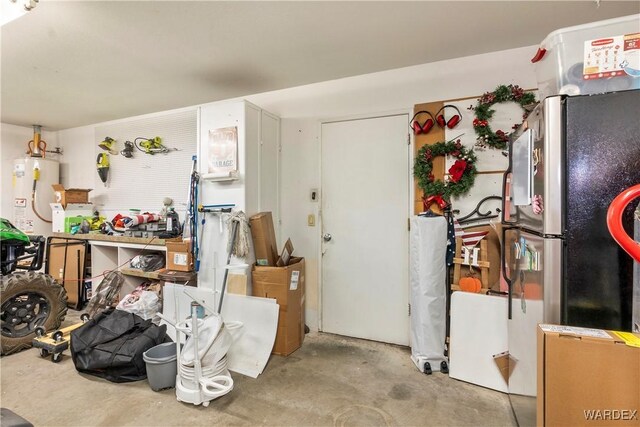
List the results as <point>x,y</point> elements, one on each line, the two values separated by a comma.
<point>462,173</point>
<point>484,113</point>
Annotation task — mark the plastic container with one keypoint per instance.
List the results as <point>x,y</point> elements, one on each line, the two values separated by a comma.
<point>599,57</point>
<point>173,223</point>
<point>161,366</point>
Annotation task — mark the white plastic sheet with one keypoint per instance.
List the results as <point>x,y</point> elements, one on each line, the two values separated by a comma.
<point>478,332</point>
<point>428,246</point>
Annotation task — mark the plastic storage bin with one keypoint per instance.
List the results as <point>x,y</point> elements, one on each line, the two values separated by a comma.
<point>592,58</point>
<point>161,366</point>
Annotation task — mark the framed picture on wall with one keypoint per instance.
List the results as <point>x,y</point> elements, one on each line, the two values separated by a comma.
<point>222,154</point>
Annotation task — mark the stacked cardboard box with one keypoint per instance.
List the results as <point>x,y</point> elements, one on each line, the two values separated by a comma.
<point>264,238</point>
<point>281,278</point>
<point>179,255</point>
<point>65,196</point>
<point>286,285</point>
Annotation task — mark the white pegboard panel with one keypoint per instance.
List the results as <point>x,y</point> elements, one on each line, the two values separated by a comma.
<point>506,115</point>
<point>141,182</point>
<point>491,162</point>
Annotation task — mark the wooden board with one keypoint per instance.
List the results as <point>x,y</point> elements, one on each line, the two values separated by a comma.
<point>115,239</point>
<point>66,261</point>
<point>435,135</point>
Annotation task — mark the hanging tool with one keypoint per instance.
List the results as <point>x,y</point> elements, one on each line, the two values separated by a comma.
<point>37,147</point>
<point>151,145</point>
<point>191,216</point>
<point>107,145</point>
<point>128,149</point>
<point>103,167</point>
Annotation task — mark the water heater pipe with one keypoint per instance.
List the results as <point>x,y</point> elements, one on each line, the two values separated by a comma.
<point>37,146</point>
<point>36,177</point>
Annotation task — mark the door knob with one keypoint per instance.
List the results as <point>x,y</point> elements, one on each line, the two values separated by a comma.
<point>326,237</point>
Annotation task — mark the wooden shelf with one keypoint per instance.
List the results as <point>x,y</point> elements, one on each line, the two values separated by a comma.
<point>114,239</point>
<point>457,288</point>
<point>139,273</point>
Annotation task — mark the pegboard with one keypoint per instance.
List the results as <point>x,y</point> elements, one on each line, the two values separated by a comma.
<point>141,182</point>
<point>491,162</point>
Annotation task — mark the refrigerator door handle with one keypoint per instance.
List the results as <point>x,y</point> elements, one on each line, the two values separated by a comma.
<point>506,195</point>
<point>503,267</point>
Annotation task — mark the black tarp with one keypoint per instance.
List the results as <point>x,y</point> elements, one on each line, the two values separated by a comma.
<point>111,344</point>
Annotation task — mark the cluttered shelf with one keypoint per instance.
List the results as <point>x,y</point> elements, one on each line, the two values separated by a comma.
<point>136,272</point>
<point>114,239</point>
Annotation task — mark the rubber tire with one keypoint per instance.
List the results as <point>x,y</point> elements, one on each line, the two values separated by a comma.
<point>43,284</point>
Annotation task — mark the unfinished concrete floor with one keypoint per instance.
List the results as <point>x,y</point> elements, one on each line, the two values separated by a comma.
<point>331,380</point>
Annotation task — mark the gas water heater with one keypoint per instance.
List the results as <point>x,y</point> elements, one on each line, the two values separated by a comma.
<point>33,176</point>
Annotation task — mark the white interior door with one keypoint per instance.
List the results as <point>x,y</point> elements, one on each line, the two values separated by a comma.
<point>365,203</point>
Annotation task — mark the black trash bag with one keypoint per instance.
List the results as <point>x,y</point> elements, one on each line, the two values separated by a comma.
<point>148,262</point>
<point>111,344</point>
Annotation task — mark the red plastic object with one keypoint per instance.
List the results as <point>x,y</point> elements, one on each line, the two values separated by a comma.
<point>539,55</point>
<point>614,221</point>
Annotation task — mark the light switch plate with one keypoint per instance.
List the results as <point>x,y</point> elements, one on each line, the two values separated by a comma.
<point>314,195</point>
<point>311,220</point>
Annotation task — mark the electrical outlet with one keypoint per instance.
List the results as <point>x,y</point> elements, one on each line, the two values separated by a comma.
<point>311,220</point>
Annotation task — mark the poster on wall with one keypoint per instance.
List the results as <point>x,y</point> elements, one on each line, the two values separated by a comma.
<point>222,154</point>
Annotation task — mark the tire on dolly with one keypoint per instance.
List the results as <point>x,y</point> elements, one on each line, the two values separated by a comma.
<point>28,300</point>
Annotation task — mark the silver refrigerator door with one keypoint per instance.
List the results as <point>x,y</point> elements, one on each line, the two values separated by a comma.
<point>534,265</point>
<point>537,172</point>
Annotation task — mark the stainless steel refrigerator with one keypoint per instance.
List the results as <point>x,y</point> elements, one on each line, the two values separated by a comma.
<point>571,157</point>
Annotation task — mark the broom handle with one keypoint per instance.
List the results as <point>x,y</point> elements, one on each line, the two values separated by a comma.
<point>226,270</point>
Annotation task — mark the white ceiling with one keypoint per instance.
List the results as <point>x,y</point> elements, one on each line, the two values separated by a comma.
<point>72,63</point>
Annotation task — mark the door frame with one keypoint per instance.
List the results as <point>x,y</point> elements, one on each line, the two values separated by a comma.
<point>404,112</point>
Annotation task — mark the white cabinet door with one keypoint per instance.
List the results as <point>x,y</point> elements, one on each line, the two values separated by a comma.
<point>365,205</point>
<point>269,155</point>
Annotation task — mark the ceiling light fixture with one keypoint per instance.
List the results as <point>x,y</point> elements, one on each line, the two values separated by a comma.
<point>13,9</point>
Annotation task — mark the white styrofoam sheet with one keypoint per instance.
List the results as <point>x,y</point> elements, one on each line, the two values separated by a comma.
<point>478,331</point>
<point>252,345</point>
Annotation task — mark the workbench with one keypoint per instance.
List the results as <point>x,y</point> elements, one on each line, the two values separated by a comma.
<point>110,252</point>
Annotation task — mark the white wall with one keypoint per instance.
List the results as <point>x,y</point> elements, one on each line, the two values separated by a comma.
<point>13,145</point>
<point>303,108</point>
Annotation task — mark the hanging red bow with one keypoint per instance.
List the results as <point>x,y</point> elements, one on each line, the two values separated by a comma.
<point>437,199</point>
<point>457,170</point>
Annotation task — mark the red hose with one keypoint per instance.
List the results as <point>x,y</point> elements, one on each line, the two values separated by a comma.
<point>614,221</point>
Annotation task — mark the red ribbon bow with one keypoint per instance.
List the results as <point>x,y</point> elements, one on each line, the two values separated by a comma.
<point>437,199</point>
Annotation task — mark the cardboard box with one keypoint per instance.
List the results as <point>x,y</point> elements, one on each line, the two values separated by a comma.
<point>264,239</point>
<point>70,195</point>
<point>59,215</point>
<point>285,256</point>
<point>286,285</point>
<point>179,255</point>
<point>587,377</point>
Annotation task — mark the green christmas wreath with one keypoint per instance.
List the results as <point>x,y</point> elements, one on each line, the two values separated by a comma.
<point>461,174</point>
<point>484,113</point>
